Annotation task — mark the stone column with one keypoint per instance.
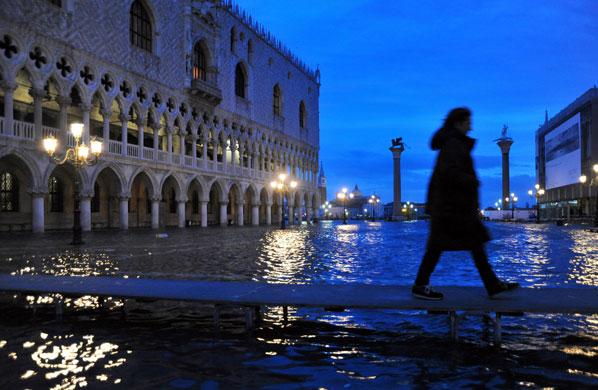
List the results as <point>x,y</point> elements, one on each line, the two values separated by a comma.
<point>124,211</point>
<point>38,95</point>
<point>194,138</point>
<point>291,215</point>
<point>156,129</point>
<point>37,211</point>
<point>215,149</point>
<point>9,88</point>
<point>269,213</point>
<point>310,212</point>
<point>255,214</point>
<point>223,216</point>
<point>505,146</point>
<point>85,110</point>
<point>233,149</point>
<point>106,129</point>
<point>240,216</point>
<point>181,211</point>
<point>204,213</point>
<point>140,135</point>
<point>155,211</point>
<point>182,135</point>
<point>396,155</point>
<point>169,132</point>
<point>204,154</point>
<point>86,212</point>
<point>63,103</point>
<point>124,119</point>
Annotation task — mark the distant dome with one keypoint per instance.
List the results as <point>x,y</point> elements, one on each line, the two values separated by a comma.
<point>356,192</point>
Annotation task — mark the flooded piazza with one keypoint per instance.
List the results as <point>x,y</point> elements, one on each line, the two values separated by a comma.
<point>173,345</point>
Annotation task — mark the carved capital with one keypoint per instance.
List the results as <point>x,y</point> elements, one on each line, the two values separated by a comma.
<point>181,199</point>
<point>155,198</point>
<point>106,112</point>
<point>169,130</point>
<point>86,107</point>
<point>141,122</point>
<point>124,117</point>
<point>63,101</point>
<point>124,196</point>
<point>194,137</point>
<point>37,93</point>
<point>8,86</point>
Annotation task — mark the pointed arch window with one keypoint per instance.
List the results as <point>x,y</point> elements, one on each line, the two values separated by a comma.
<point>302,115</point>
<point>95,200</point>
<point>276,100</point>
<point>9,192</point>
<point>140,27</point>
<point>199,63</point>
<point>56,191</point>
<point>239,81</point>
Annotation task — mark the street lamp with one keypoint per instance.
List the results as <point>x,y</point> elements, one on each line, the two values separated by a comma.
<point>343,195</point>
<point>326,208</point>
<point>78,157</point>
<point>539,192</point>
<point>282,188</point>
<point>513,200</point>
<point>374,201</point>
<point>583,179</point>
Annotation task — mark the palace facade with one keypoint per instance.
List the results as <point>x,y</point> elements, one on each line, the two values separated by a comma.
<point>198,107</point>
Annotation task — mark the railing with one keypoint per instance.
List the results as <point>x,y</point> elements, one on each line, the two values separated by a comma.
<point>114,147</point>
<point>162,156</point>
<point>26,130</point>
<point>133,150</point>
<point>148,153</point>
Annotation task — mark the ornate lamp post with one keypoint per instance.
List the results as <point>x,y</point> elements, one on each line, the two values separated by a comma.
<point>539,192</point>
<point>282,188</point>
<point>326,209</point>
<point>78,157</point>
<point>583,179</point>
<point>343,195</point>
<point>513,200</point>
<point>374,201</point>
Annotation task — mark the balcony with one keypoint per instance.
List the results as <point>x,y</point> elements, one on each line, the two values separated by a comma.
<point>205,91</point>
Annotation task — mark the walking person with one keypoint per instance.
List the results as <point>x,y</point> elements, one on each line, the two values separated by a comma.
<point>453,206</point>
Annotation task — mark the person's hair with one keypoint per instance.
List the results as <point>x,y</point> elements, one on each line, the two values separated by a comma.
<point>456,115</point>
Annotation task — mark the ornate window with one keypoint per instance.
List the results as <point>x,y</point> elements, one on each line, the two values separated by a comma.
<point>239,81</point>
<point>199,63</point>
<point>95,200</point>
<point>56,195</point>
<point>302,115</point>
<point>276,100</point>
<point>140,27</point>
<point>9,192</point>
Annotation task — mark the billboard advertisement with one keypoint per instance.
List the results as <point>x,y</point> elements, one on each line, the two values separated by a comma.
<point>563,154</point>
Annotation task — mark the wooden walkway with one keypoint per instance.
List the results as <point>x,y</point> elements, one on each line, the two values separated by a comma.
<point>251,296</point>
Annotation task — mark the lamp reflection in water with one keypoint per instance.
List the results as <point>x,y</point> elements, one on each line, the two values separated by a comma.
<point>282,188</point>
<point>78,157</point>
<point>594,182</point>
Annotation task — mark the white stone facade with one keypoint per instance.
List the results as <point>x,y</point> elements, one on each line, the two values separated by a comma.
<point>178,149</point>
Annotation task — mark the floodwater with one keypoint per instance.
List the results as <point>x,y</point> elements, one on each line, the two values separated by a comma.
<point>173,345</point>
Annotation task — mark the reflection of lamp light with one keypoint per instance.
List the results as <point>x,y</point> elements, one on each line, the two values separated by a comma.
<point>282,189</point>
<point>78,157</point>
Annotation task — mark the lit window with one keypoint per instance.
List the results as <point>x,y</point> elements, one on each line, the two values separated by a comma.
<point>199,63</point>
<point>9,192</point>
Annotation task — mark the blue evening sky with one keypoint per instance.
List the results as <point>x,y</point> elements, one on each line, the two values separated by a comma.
<point>395,68</point>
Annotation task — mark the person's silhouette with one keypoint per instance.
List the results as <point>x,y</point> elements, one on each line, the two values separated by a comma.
<point>453,206</point>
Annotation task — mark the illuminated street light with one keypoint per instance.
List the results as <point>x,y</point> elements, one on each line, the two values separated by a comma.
<point>78,157</point>
<point>594,182</point>
<point>374,201</point>
<point>282,188</point>
<point>539,192</point>
<point>343,196</point>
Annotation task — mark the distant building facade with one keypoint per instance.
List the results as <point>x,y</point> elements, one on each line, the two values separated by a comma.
<point>566,148</point>
<point>197,105</point>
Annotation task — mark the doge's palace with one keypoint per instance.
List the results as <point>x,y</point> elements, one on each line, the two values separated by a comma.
<point>197,105</point>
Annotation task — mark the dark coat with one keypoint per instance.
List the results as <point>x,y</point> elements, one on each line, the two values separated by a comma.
<point>453,195</point>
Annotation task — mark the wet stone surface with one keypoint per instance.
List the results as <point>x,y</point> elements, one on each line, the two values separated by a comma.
<point>174,345</point>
